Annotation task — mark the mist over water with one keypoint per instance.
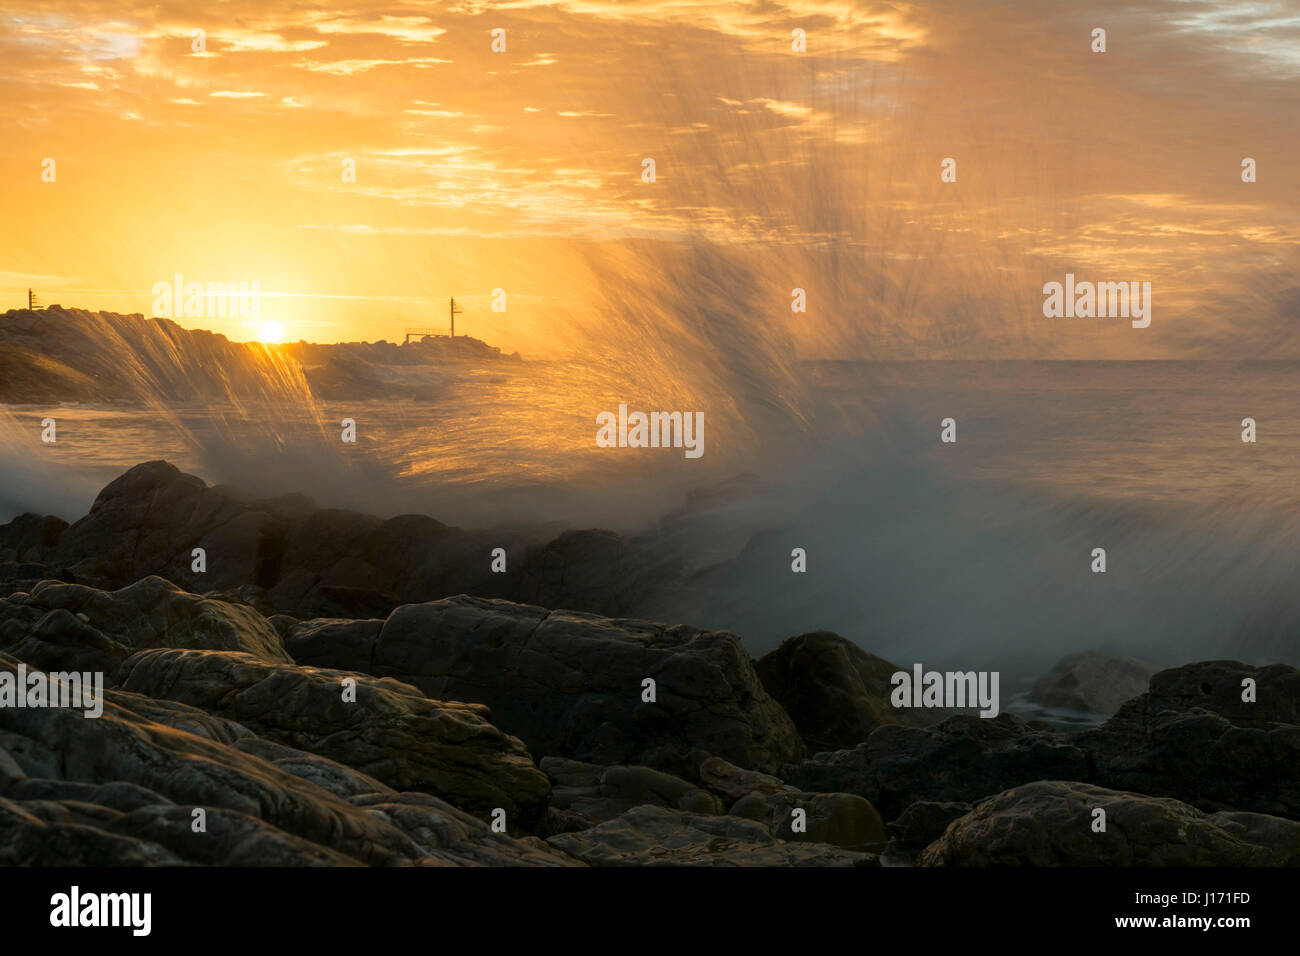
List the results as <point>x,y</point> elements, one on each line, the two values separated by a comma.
<point>978,554</point>
<point>970,555</point>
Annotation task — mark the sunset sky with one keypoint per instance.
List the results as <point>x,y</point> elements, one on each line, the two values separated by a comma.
<point>521,170</point>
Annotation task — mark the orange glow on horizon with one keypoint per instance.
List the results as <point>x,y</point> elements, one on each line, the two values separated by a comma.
<point>363,167</point>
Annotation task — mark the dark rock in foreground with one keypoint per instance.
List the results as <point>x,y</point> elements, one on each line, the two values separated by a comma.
<point>1050,823</point>
<point>389,731</point>
<point>211,705</point>
<point>61,626</point>
<point>120,790</point>
<point>1192,737</point>
<point>570,684</point>
<point>962,759</point>
<point>601,793</point>
<point>655,836</point>
<point>228,661</point>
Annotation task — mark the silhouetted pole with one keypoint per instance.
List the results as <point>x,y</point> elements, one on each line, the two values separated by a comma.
<point>454,309</point>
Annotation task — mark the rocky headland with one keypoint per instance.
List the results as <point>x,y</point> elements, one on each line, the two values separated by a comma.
<point>58,354</point>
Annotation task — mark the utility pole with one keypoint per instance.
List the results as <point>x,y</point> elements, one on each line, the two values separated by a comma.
<point>454,309</point>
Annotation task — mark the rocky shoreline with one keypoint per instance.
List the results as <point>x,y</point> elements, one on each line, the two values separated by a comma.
<point>404,722</point>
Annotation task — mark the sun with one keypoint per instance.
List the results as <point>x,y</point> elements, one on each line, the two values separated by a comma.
<point>270,332</point>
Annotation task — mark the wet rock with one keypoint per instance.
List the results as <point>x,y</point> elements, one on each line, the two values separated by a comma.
<point>390,732</point>
<point>149,613</point>
<point>324,773</point>
<point>287,554</point>
<point>120,790</point>
<point>1192,737</point>
<point>1218,687</point>
<point>448,836</point>
<point>186,770</point>
<point>835,692</point>
<point>1049,823</point>
<point>146,522</point>
<point>59,640</point>
<point>962,759</point>
<point>28,840</point>
<point>570,684</point>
